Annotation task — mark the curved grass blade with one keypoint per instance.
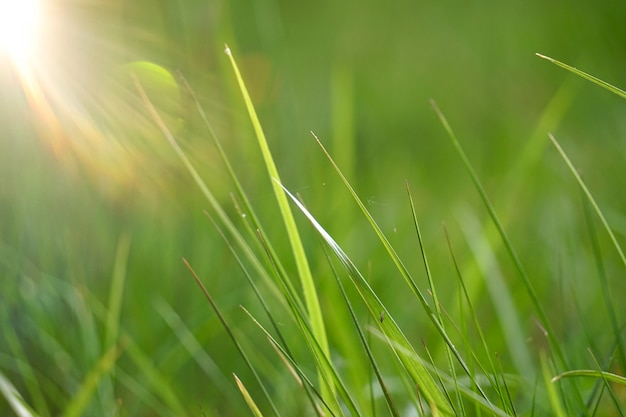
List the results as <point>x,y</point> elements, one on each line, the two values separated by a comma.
<point>304,271</point>
<point>586,76</point>
<point>246,395</point>
<point>590,373</point>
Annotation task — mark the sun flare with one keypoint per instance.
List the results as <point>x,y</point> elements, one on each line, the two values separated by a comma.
<point>19,23</point>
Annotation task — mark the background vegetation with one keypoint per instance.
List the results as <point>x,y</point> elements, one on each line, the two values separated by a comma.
<point>97,210</point>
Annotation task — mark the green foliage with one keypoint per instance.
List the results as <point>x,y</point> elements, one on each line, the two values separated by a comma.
<point>114,166</point>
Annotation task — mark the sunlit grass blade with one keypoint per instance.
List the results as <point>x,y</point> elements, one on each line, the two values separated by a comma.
<point>231,335</point>
<point>248,213</point>
<point>306,278</point>
<point>586,76</point>
<point>246,395</point>
<point>589,196</point>
<point>76,407</point>
<point>398,263</point>
<point>14,398</point>
<point>376,308</point>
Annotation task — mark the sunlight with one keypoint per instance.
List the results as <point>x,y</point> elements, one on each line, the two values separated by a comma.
<point>19,21</point>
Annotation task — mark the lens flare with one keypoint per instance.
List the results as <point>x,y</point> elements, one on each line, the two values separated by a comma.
<point>19,22</point>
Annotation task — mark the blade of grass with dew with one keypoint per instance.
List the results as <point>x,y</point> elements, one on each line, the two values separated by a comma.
<point>586,76</point>
<point>589,196</point>
<point>390,403</point>
<point>375,307</point>
<point>398,263</point>
<point>14,398</point>
<point>608,300</point>
<point>247,397</point>
<point>306,278</point>
<point>82,398</point>
<point>231,335</point>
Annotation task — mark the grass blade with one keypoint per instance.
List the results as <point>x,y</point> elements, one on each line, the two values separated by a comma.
<point>306,278</point>
<point>14,398</point>
<point>590,373</point>
<point>246,395</point>
<point>586,76</point>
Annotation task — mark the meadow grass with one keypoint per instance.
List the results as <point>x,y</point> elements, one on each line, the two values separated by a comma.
<point>318,336</point>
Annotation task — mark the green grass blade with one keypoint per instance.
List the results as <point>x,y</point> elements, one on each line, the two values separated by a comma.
<point>592,200</point>
<point>232,336</point>
<point>398,263</point>
<point>590,373</point>
<point>246,395</point>
<point>306,278</point>
<point>586,76</point>
<point>376,308</point>
<point>85,393</point>
<point>390,402</point>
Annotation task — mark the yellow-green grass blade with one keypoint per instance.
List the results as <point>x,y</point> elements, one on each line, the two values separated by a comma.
<point>591,373</point>
<point>246,395</point>
<point>376,308</point>
<point>248,213</point>
<point>85,393</point>
<point>398,263</point>
<point>117,290</point>
<point>553,395</point>
<point>231,335</point>
<point>14,398</point>
<point>306,278</point>
<point>586,76</point>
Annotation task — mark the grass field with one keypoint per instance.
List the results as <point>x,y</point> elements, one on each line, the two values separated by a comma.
<point>361,209</point>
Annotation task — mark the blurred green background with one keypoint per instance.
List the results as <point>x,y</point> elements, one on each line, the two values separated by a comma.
<point>84,171</point>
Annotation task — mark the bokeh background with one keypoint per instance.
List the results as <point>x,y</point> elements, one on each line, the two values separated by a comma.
<point>87,179</point>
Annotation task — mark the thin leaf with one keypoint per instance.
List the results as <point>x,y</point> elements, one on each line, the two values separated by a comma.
<point>586,76</point>
<point>246,395</point>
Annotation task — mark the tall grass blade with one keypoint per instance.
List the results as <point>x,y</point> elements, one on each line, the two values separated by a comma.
<point>586,76</point>
<point>306,278</point>
<point>376,308</point>
<point>399,264</point>
<point>246,395</point>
